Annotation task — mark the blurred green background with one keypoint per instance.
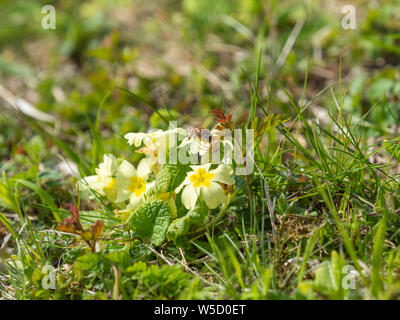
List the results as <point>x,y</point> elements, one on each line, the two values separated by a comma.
<point>187,56</point>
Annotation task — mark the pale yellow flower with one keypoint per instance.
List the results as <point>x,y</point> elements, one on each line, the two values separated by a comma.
<point>104,181</point>
<point>157,143</point>
<point>119,182</point>
<point>131,182</point>
<point>205,183</point>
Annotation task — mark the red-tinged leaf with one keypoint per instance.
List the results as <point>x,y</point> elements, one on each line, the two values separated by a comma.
<point>20,149</point>
<point>66,226</point>
<point>74,211</point>
<point>302,178</point>
<point>220,116</point>
<point>72,224</point>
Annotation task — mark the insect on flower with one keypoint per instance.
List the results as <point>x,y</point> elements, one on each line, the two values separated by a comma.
<point>198,139</point>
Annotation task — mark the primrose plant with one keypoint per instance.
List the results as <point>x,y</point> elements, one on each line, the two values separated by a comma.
<point>184,178</point>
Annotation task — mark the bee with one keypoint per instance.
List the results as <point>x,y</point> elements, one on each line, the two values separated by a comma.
<point>198,133</point>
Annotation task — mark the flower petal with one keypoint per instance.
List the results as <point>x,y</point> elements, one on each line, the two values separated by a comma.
<point>179,131</point>
<point>108,167</point>
<point>122,195</point>
<point>135,138</point>
<point>223,174</point>
<point>184,183</point>
<point>185,142</point>
<point>123,179</point>
<point>203,147</point>
<point>91,182</point>
<point>213,195</point>
<point>150,185</point>
<point>194,147</point>
<point>206,167</point>
<point>127,169</point>
<point>189,197</point>
<point>143,169</point>
<point>135,203</point>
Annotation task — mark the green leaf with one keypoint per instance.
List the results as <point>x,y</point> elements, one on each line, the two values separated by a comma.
<point>44,196</point>
<point>192,218</point>
<point>151,221</point>
<point>91,265</point>
<point>170,177</point>
<point>379,242</point>
<point>324,281</point>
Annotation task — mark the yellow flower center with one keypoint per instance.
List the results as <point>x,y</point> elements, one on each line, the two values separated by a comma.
<point>201,178</point>
<point>137,186</point>
<point>110,190</point>
<point>110,186</point>
<point>154,137</point>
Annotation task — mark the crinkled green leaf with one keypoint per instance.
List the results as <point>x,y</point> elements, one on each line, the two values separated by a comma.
<point>182,225</point>
<point>170,177</point>
<point>151,221</point>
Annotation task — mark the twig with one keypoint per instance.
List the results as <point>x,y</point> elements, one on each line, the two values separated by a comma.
<point>184,262</point>
<point>159,255</point>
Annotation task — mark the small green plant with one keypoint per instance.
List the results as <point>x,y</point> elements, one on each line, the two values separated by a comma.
<point>160,200</point>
